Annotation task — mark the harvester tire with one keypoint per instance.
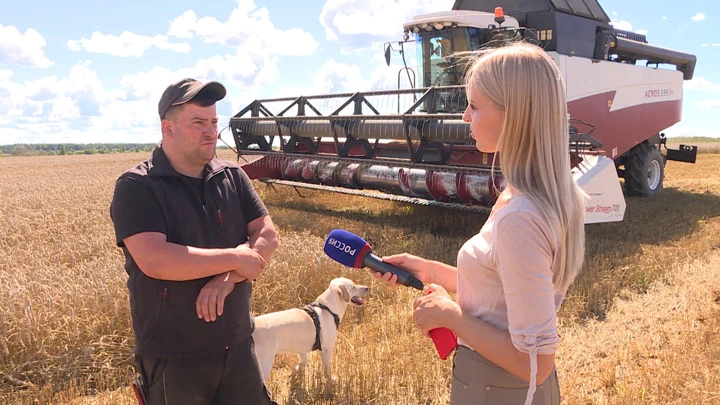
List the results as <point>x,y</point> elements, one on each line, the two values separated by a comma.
<point>644,171</point>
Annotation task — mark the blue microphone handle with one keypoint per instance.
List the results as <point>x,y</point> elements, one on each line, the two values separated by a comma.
<point>405,278</point>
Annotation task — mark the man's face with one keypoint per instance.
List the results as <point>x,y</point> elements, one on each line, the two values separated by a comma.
<point>195,133</point>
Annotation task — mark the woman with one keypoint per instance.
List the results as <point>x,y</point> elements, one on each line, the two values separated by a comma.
<point>512,276</point>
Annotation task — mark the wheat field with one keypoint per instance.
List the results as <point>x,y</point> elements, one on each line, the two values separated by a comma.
<point>640,325</point>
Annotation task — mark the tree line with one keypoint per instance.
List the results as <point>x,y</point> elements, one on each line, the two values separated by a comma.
<point>37,149</point>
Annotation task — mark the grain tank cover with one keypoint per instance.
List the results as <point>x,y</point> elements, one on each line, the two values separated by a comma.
<point>581,8</point>
<point>568,27</point>
<point>581,28</point>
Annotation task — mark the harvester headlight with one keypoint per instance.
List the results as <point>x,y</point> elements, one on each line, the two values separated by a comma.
<point>438,26</point>
<point>428,27</point>
<point>416,29</point>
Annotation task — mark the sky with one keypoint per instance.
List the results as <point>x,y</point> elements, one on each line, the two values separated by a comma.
<point>92,72</point>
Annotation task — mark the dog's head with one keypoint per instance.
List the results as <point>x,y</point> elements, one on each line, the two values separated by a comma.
<point>348,291</point>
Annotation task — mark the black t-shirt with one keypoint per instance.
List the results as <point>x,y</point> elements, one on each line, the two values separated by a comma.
<point>140,211</point>
<point>197,184</point>
<point>135,210</point>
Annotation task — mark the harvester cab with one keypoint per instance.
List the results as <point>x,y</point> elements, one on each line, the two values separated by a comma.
<point>411,144</point>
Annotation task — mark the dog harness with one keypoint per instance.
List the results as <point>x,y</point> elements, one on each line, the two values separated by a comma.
<point>316,320</point>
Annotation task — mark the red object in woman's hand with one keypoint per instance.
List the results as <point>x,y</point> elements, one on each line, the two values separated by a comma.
<point>445,341</point>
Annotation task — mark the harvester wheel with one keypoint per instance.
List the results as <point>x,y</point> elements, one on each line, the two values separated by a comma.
<point>644,171</point>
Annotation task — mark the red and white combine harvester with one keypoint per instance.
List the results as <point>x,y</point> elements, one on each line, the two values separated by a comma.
<point>411,144</point>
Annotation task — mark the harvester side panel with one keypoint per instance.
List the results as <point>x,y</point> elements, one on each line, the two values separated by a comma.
<point>629,105</point>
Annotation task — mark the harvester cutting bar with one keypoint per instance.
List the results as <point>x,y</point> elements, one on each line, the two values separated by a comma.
<point>439,183</point>
<point>383,196</point>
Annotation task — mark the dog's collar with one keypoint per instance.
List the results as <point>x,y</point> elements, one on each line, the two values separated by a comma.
<point>316,320</point>
<point>323,306</point>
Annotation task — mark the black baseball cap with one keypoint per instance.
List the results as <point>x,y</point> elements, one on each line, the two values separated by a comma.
<point>185,90</point>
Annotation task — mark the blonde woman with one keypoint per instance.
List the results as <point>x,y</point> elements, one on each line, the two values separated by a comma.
<point>513,275</point>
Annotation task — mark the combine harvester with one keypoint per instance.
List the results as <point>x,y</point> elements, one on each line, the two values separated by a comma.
<point>411,144</point>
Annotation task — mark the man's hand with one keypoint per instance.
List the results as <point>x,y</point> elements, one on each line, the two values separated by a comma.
<point>250,262</point>
<point>211,300</point>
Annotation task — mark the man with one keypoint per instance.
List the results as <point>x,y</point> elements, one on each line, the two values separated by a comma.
<point>195,234</point>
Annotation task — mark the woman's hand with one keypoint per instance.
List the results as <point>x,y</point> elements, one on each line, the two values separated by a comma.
<point>435,310</point>
<point>405,261</point>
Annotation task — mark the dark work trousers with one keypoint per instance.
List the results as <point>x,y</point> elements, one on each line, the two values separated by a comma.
<point>229,377</point>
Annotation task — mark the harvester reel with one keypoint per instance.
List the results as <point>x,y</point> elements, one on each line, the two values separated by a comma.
<point>244,141</point>
<point>291,144</point>
<point>350,142</point>
<point>443,151</point>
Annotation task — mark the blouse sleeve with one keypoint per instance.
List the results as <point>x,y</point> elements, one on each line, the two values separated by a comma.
<point>523,253</point>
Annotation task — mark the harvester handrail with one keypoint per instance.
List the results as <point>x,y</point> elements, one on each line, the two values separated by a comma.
<point>364,93</point>
<point>355,116</point>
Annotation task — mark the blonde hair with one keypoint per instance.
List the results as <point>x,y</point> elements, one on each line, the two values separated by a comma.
<point>533,147</point>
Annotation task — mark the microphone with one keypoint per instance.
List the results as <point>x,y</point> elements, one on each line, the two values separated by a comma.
<point>352,251</point>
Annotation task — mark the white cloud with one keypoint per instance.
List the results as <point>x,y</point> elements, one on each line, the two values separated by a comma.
<point>706,45</point>
<point>702,84</point>
<point>337,77</point>
<point>359,24</point>
<point>240,69</point>
<point>138,99</point>
<point>5,74</point>
<point>249,28</point>
<point>255,40</point>
<point>698,17</point>
<point>709,105</point>
<point>332,77</point>
<point>78,95</point>
<point>180,26</point>
<point>126,44</point>
<point>663,18</point>
<point>622,25</point>
<point>76,108</point>
<point>22,49</point>
<point>52,109</point>
<point>626,26</point>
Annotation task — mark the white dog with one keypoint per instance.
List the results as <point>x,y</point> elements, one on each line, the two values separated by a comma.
<point>302,330</point>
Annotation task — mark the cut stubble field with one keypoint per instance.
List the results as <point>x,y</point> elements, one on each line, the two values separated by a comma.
<point>640,325</point>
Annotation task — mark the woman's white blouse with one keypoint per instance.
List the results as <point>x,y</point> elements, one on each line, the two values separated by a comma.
<point>505,278</point>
